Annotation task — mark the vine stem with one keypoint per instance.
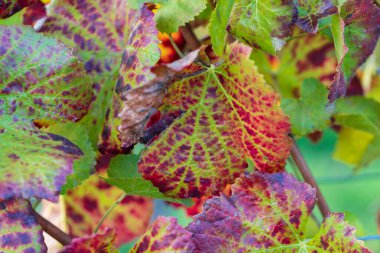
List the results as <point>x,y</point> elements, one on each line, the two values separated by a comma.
<point>122,196</point>
<point>178,51</point>
<point>189,36</point>
<point>308,177</point>
<point>53,230</point>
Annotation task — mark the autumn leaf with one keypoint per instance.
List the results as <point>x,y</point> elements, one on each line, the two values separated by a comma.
<point>101,242</point>
<point>268,213</point>
<point>19,230</point>
<point>10,7</point>
<point>86,204</point>
<point>230,114</point>
<point>165,235</point>
<point>263,24</point>
<point>33,163</point>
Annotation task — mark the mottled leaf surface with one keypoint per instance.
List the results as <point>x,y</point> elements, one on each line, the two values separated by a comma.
<point>172,14</point>
<point>19,230</point>
<point>165,235</point>
<point>87,203</point>
<point>33,163</point>
<point>308,113</point>
<point>84,166</point>
<point>230,114</point>
<point>218,24</point>
<point>122,173</point>
<point>268,213</point>
<point>40,77</point>
<point>97,243</point>
<point>10,7</point>
<point>310,11</point>
<point>264,24</point>
<point>99,32</point>
<point>140,55</point>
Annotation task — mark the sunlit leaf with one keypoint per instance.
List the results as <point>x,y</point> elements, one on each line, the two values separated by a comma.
<point>10,7</point>
<point>268,213</point>
<point>40,77</point>
<point>309,12</point>
<point>97,243</point>
<point>218,24</point>
<point>263,24</point>
<point>87,203</point>
<point>172,14</point>
<point>165,235</point>
<point>308,113</point>
<point>19,230</point>
<point>229,114</point>
<point>33,163</point>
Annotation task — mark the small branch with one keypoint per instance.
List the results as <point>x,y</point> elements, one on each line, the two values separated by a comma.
<point>109,211</point>
<point>174,45</point>
<point>308,177</point>
<point>189,36</point>
<point>52,230</point>
<point>369,237</point>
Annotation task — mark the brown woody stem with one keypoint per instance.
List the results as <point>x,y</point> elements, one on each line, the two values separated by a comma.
<point>190,38</point>
<point>52,230</point>
<point>308,177</point>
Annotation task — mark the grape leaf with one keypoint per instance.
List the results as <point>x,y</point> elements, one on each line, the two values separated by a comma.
<point>122,173</point>
<point>230,114</point>
<point>86,205</point>
<point>268,213</point>
<point>99,31</point>
<point>172,14</point>
<point>309,12</point>
<point>309,56</point>
<point>263,24</point>
<point>218,24</point>
<point>165,235</point>
<point>42,79</point>
<point>141,54</point>
<point>19,230</point>
<point>33,163</point>
<point>308,113</point>
<point>361,32</point>
<point>84,166</point>
<point>10,7</point>
<point>101,242</point>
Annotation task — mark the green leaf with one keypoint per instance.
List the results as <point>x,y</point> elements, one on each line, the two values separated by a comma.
<point>229,114</point>
<point>33,163</point>
<point>20,231</point>
<point>264,24</point>
<point>123,174</point>
<point>40,78</point>
<point>172,14</point>
<point>218,24</point>
<point>84,166</point>
<point>308,113</point>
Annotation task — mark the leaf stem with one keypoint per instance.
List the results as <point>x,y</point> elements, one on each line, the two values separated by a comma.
<point>308,177</point>
<point>174,45</point>
<point>53,230</point>
<point>369,237</point>
<point>305,34</point>
<point>189,36</point>
<point>122,196</point>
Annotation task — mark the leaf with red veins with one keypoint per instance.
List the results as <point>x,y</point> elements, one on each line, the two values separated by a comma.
<point>10,7</point>
<point>165,235</point>
<point>34,13</point>
<point>361,31</point>
<point>97,243</point>
<point>268,213</point>
<point>40,77</point>
<point>230,114</point>
<point>87,203</point>
<point>140,55</point>
<point>19,230</point>
<point>98,30</point>
<point>309,12</point>
<point>33,163</point>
